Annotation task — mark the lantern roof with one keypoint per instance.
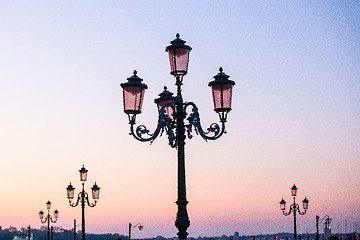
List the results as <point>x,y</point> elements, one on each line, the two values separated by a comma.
<point>178,43</point>
<point>221,78</point>
<point>165,95</point>
<point>95,187</point>
<point>134,80</point>
<point>70,187</point>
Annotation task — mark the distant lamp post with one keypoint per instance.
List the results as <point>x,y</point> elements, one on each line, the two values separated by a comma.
<point>173,115</point>
<point>138,225</point>
<point>294,207</point>
<point>327,226</point>
<point>83,196</point>
<point>48,217</point>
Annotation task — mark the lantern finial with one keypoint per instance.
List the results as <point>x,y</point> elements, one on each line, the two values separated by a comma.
<point>177,35</point>
<point>135,72</point>
<point>221,69</point>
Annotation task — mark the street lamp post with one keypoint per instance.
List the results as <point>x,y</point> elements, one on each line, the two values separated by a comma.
<point>294,207</point>
<point>48,217</point>
<point>138,225</point>
<point>173,116</point>
<point>84,197</point>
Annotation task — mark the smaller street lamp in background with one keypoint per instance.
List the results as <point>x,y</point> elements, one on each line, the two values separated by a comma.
<point>48,217</point>
<point>83,196</point>
<point>138,225</point>
<point>294,207</point>
<point>327,228</point>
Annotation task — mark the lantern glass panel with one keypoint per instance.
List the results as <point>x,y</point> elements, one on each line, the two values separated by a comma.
<point>179,60</point>
<point>282,205</point>
<point>83,174</point>
<point>95,193</point>
<point>222,95</point>
<point>133,99</point>
<point>48,205</point>
<point>168,109</point>
<point>41,215</point>
<point>305,203</point>
<point>70,192</point>
<point>56,214</point>
<point>294,191</point>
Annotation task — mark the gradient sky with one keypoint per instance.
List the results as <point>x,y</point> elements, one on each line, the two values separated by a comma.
<point>295,118</point>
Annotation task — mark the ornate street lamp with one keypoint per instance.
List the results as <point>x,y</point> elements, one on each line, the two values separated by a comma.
<point>173,115</point>
<point>83,196</point>
<point>294,207</point>
<point>138,225</point>
<point>48,217</point>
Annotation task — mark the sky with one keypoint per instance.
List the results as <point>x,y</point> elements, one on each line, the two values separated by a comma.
<point>295,117</point>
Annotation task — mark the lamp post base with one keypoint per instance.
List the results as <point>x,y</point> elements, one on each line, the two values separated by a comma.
<point>182,222</point>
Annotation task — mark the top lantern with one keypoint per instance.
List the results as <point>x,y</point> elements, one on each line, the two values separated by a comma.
<point>294,191</point>
<point>178,56</point>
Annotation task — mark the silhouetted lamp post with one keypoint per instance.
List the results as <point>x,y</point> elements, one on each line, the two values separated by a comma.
<point>294,207</point>
<point>83,197</point>
<point>138,225</point>
<point>48,217</point>
<point>173,115</point>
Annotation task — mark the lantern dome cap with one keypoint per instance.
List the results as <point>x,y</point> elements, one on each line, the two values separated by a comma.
<point>178,43</point>
<point>95,187</point>
<point>221,77</point>
<point>134,80</point>
<point>165,95</point>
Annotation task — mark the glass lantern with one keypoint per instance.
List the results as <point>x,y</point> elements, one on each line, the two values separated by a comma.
<point>221,89</point>
<point>282,204</point>
<point>70,191</point>
<point>166,98</point>
<point>178,56</point>
<point>83,174</point>
<point>133,94</point>
<point>95,191</point>
<point>294,191</point>
<point>305,203</point>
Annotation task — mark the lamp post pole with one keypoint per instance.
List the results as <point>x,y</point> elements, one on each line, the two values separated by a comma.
<point>138,225</point>
<point>173,115</point>
<point>84,197</point>
<point>48,218</point>
<point>294,207</point>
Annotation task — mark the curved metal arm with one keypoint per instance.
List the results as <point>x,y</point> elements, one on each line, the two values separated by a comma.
<point>53,221</point>
<point>301,213</point>
<point>137,225</point>
<point>212,133</point>
<point>290,210</point>
<point>164,124</point>
<point>46,219</point>
<point>77,201</point>
<point>88,202</point>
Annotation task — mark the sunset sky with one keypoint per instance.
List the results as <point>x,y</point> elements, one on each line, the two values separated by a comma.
<point>295,117</point>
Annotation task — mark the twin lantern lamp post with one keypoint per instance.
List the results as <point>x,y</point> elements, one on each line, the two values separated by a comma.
<point>84,197</point>
<point>174,119</point>
<point>294,207</point>
<point>48,217</point>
